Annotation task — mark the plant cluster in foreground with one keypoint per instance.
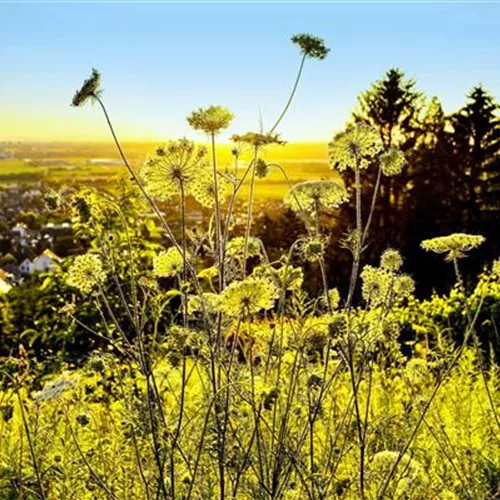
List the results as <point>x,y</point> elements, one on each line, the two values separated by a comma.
<point>218,376</point>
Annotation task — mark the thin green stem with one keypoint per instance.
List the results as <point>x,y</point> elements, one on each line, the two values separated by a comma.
<point>358,242</point>
<point>30,444</point>
<point>218,230</point>
<point>249,216</point>
<point>292,94</point>
<point>372,206</point>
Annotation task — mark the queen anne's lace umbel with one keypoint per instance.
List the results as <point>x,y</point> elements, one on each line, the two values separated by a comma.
<point>391,260</point>
<point>455,245</point>
<point>202,188</point>
<point>392,162</point>
<point>247,297</point>
<point>311,46</point>
<point>86,272</point>
<point>210,120</point>
<point>310,196</point>
<point>173,168</point>
<point>354,148</point>
<point>168,264</point>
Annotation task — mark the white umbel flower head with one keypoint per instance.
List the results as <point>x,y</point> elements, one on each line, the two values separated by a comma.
<point>354,148</point>
<point>455,245</point>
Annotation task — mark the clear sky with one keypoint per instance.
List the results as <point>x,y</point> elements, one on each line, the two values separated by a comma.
<point>162,60</point>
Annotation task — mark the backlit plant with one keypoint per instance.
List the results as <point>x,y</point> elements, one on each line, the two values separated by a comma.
<point>221,377</point>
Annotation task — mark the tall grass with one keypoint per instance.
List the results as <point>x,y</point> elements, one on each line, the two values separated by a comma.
<point>225,379</point>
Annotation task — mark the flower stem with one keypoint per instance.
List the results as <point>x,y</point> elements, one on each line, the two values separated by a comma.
<point>249,216</point>
<point>292,94</point>
<point>135,177</point>
<point>218,231</point>
<point>372,207</point>
<point>358,243</point>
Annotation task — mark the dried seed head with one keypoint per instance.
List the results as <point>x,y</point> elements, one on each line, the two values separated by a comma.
<point>311,46</point>
<point>89,90</point>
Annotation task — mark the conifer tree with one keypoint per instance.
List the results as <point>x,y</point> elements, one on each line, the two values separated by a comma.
<point>476,143</point>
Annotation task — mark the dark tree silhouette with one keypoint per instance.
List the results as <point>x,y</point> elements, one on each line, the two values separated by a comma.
<point>451,182</point>
<point>476,142</point>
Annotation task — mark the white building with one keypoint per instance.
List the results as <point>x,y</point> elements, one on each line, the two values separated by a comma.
<point>46,261</point>
<point>26,267</point>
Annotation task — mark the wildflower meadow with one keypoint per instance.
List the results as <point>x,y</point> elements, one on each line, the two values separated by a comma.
<point>211,367</point>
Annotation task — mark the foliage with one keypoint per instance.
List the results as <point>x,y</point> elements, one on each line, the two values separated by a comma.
<point>216,373</point>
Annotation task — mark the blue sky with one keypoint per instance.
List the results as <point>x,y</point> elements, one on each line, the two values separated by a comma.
<point>162,60</point>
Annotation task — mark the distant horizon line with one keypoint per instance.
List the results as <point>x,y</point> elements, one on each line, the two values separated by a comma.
<point>135,141</point>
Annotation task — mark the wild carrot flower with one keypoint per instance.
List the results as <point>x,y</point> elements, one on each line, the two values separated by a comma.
<point>312,248</point>
<point>89,90</point>
<point>208,302</point>
<point>311,196</point>
<point>171,166</point>
<point>86,272</point>
<point>211,120</point>
<point>455,245</point>
<point>168,264</point>
<point>247,297</point>
<point>392,162</point>
<point>261,169</point>
<point>311,46</point>
<point>202,188</point>
<point>381,286</point>
<point>391,260</point>
<point>236,247</point>
<point>404,286</point>
<point>354,148</point>
<point>332,300</point>
<point>286,277</point>
<point>376,283</point>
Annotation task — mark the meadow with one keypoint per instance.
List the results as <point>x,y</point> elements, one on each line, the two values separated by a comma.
<point>195,364</point>
<point>302,161</point>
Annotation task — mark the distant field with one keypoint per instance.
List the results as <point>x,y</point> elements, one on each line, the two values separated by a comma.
<point>18,171</point>
<point>301,162</point>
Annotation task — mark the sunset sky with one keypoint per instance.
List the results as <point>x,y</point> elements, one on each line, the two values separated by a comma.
<point>162,60</point>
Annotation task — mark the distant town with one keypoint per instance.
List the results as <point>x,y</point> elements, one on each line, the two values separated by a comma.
<point>34,239</point>
<point>29,240</point>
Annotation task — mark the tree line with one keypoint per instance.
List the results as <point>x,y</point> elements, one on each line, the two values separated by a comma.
<point>450,183</point>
